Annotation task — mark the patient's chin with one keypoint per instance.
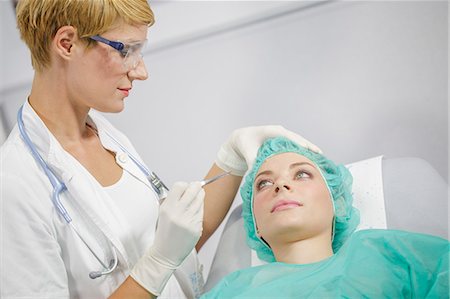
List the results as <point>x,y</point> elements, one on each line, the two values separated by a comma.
<point>289,230</point>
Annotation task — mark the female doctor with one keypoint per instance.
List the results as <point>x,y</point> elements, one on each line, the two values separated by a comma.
<point>80,212</point>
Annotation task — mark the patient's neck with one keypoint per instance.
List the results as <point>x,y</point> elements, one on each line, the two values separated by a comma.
<point>305,251</point>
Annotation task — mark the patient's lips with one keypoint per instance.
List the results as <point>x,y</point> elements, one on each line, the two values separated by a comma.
<point>285,204</point>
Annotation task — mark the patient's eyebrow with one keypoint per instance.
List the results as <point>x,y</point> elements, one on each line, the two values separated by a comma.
<point>263,173</point>
<point>293,165</point>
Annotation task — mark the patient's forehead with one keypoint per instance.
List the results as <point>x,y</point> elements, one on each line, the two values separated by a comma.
<point>284,160</point>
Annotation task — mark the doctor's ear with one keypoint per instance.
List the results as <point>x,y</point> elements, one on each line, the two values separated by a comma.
<point>64,40</point>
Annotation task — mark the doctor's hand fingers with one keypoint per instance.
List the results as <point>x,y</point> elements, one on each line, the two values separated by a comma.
<point>191,193</point>
<point>195,218</point>
<point>299,140</point>
<point>189,217</point>
<point>196,206</point>
<point>176,192</point>
<point>183,193</point>
<point>181,197</point>
<point>272,131</point>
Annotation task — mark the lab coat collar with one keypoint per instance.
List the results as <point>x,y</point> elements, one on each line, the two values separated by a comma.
<point>57,158</point>
<point>104,130</point>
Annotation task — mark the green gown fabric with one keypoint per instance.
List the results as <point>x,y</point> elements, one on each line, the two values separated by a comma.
<point>371,264</point>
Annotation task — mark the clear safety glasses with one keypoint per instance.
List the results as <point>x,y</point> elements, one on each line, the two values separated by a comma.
<point>131,53</point>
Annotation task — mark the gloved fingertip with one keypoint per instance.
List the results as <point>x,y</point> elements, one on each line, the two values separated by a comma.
<point>196,186</point>
<point>316,149</point>
<point>179,185</point>
<point>192,191</point>
<point>177,189</point>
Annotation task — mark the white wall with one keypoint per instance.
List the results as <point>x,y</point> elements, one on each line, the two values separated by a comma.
<point>15,68</point>
<point>359,79</point>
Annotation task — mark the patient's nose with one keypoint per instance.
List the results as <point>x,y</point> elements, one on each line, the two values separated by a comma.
<point>282,185</point>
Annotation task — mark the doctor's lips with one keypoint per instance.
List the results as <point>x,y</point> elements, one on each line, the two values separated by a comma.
<point>125,90</point>
<point>285,204</point>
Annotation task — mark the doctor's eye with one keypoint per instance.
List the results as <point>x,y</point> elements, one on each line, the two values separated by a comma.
<point>263,183</point>
<point>125,51</point>
<point>132,49</point>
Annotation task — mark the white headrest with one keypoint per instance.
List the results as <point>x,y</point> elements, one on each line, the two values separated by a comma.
<point>368,196</point>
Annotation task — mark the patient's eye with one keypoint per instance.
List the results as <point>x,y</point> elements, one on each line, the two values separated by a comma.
<point>302,174</point>
<point>263,183</point>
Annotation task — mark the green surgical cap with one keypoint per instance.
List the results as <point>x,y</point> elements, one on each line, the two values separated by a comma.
<point>339,182</point>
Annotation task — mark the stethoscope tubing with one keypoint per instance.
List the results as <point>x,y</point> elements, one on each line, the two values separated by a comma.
<point>59,187</point>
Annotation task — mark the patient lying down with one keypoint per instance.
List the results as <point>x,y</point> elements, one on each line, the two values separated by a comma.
<point>298,215</point>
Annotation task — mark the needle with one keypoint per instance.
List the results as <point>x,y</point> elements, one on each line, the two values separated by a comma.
<point>215,178</point>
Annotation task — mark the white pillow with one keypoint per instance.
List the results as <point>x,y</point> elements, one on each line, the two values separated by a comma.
<point>368,196</point>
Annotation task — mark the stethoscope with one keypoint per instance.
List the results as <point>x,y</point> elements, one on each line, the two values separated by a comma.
<point>58,187</point>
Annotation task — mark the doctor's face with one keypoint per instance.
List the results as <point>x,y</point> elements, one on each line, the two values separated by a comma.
<point>291,201</point>
<point>99,78</point>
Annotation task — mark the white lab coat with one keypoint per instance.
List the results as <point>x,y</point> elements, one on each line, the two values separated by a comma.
<point>41,256</point>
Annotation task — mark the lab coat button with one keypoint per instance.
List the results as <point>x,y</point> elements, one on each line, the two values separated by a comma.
<point>123,158</point>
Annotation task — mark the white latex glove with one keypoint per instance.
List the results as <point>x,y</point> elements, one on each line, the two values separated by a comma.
<point>179,228</point>
<point>238,153</point>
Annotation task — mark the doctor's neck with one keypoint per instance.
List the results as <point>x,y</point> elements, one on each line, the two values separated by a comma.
<point>51,100</point>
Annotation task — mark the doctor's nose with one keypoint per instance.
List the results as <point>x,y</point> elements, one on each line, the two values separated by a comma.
<point>139,72</point>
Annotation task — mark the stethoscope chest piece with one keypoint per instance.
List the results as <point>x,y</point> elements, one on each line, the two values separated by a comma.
<point>158,185</point>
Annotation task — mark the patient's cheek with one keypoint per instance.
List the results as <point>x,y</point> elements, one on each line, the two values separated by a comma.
<point>258,212</point>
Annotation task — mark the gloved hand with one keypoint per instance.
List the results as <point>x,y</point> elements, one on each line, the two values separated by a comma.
<point>179,228</point>
<point>238,153</point>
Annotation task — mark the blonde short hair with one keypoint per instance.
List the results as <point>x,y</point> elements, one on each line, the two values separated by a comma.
<point>39,20</point>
